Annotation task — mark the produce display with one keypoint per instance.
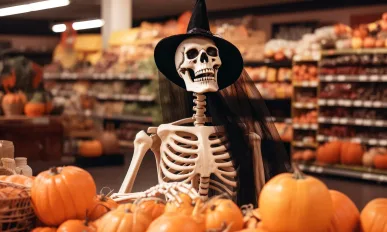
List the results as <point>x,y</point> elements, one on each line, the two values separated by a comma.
<point>308,117</point>
<point>304,72</point>
<point>269,74</point>
<point>333,209</point>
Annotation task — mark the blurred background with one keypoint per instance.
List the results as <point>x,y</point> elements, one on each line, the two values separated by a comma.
<point>78,81</point>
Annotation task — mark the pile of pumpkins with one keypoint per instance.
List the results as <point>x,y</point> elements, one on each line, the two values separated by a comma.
<point>350,153</point>
<point>65,200</point>
<point>15,103</point>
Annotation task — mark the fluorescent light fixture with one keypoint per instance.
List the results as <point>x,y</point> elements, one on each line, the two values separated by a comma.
<point>35,6</point>
<point>82,25</point>
<point>59,28</point>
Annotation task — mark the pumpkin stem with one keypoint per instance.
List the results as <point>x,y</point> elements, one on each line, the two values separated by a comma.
<point>54,171</point>
<point>297,174</point>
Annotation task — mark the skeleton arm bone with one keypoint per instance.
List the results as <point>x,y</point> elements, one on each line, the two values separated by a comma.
<point>142,143</point>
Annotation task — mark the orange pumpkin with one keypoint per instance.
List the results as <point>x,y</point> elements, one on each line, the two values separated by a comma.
<point>373,217</point>
<point>13,103</point>
<point>150,206</point>
<point>76,226</point>
<point>18,179</point>
<point>223,211</point>
<point>70,189</point>
<point>101,205</point>
<point>295,203</point>
<point>122,219</point>
<point>36,107</point>
<point>329,153</point>
<point>91,148</point>
<point>380,161</point>
<point>352,153</point>
<point>175,222</point>
<point>44,229</point>
<point>185,207</point>
<point>346,217</point>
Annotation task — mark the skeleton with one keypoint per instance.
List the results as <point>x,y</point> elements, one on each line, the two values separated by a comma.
<point>188,151</point>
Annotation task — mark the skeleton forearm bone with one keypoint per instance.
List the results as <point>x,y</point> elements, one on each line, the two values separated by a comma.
<point>142,143</point>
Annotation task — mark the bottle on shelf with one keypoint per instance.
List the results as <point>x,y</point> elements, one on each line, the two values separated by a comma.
<point>22,167</point>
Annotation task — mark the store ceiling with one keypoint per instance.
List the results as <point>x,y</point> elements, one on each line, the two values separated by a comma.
<point>86,9</point>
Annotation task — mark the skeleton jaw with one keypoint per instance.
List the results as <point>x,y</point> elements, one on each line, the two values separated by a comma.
<point>205,80</point>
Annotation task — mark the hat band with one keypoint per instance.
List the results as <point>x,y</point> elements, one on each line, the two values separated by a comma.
<point>199,31</point>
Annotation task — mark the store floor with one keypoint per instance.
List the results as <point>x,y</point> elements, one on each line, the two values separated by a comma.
<point>112,176</point>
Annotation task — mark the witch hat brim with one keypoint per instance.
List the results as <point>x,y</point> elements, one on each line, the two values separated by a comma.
<point>232,61</point>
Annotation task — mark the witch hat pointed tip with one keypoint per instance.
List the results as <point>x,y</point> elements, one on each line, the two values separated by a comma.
<point>199,18</point>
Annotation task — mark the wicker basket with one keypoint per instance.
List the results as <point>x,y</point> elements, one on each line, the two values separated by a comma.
<point>16,214</point>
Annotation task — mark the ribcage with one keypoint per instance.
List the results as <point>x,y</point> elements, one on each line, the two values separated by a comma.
<point>178,157</point>
<point>197,155</point>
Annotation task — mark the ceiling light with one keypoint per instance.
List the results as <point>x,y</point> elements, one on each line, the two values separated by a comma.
<point>59,28</point>
<point>36,6</point>
<point>95,23</point>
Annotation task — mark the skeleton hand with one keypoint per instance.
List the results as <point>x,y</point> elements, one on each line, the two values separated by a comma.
<point>169,190</point>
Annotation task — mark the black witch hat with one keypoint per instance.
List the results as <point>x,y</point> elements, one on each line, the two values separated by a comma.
<point>232,61</point>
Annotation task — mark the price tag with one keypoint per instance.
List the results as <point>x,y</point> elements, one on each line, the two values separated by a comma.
<point>383,142</point>
<point>367,176</point>
<point>102,96</point>
<point>331,102</point>
<point>363,78</point>
<point>319,169</point>
<point>347,102</point>
<point>335,120</point>
<point>116,96</point>
<point>374,78</point>
<point>314,126</point>
<point>296,125</point>
<point>357,103</point>
<point>298,105</point>
<point>367,122</point>
<point>41,121</point>
<point>356,140</point>
<point>341,78</point>
<point>304,84</point>
<point>309,105</point>
<point>358,121</point>
<point>384,78</point>
<point>110,76</point>
<point>372,142</point>
<point>343,121</point>
<point>377,104</point>
<point>312,168</point>
<point>379,123</point>
<point>321,119</point>
<point>329,78</point>
<point>322,102</point>
<point>367,103</point>
<point>320,137</point>
<point>305,126</point>
<point>340,102</point>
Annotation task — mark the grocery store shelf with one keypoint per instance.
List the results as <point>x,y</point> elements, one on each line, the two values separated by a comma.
<point>124,118</point>
<point>110,97</point>
<point>366,141</point>
<point>299,59</point>
<point>95,76</point>
<point>279,119</point>
<point>304,144</point>
<point>353,78</point>
<point>42,120</point>
<point>308,84</point>
<point>361,173</point>
<point>126,143</point>
<point>270,63</point>
<point>304,105</point>
<point>353,121</point>
<point>354,51</point>
<point>305,126</point>
<point>352,103</point>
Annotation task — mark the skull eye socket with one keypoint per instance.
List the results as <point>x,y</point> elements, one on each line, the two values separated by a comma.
<point>192,53</point>
<point>212,51</point>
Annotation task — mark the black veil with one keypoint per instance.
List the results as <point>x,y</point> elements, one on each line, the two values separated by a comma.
<point>242,110</point>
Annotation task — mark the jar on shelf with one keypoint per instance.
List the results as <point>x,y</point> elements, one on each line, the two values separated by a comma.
<point>9,164</point>
<point>7,149</point>
<point>22,167</point>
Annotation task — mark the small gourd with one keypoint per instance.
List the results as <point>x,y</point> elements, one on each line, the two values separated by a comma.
<point>36,106</point>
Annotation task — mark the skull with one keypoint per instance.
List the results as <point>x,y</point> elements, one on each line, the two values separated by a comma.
<point>197,62</point>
